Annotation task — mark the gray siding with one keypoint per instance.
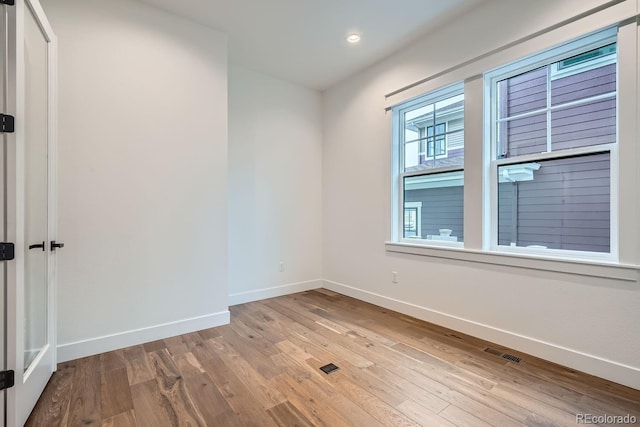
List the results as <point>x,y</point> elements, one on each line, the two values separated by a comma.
<point>524,136</point>
<point>578,126</point>
<point>441,208</point>
<point>455,140</point>
<point>523,93</point>
<point>583,85</point>
<point>565,206</point>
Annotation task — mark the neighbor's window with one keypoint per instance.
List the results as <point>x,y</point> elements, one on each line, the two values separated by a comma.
<point>554,127</point>
<point>430,131</point>
<point>435,141</point>
<point>412,219</point>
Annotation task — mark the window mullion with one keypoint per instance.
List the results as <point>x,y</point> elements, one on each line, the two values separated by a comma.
<point>559,106</point>
<point>584,100</point>
<point>521,115</point>
<point>432,142</point>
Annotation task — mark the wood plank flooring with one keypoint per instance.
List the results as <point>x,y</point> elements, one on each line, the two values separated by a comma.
<point>263,370</point>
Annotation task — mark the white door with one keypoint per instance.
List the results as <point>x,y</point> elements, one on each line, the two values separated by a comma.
<point>29,166</point>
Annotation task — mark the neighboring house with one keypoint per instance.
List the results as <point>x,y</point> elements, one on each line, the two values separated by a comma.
<point>434,136</point>
<point>563,203</point>
<point>560,204</point>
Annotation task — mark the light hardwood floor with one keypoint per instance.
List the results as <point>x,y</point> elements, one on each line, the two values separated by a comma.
<point>263,370</point>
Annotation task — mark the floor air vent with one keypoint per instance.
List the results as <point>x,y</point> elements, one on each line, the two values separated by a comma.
<point>511,357</point>
<point>498,353</point>
<point>328,369</point>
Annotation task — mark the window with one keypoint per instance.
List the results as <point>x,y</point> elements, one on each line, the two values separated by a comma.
<point>549,173</point>
<point>553,141</point>
<point>410,222</point>
<point>429,135</point>
<point>412,219</point>
<point>435,142</point>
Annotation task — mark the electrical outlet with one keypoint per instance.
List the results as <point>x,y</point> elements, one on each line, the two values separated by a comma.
<point>394,277</point>
<point>281,267</point>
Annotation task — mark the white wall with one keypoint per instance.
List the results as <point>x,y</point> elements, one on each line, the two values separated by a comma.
<point>142,175</point>
<point>275,193</point>
<point>588,323</point>
<point>143,193</point>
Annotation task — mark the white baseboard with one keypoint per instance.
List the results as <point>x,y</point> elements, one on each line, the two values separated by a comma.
<point>78,349</point>
<point>276,291</point>
<point>594,365</point>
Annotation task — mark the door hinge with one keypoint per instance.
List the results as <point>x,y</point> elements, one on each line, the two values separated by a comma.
<point>7,122</point>
<point>8,2</point>
<point>7,251</point>
<point>7,380</point>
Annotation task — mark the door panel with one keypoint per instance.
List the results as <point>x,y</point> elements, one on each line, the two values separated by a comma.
<point>30,207</point>
<point>36,183</point>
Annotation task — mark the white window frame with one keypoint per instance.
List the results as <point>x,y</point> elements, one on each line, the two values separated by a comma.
<point>477,172</point>
<point>545,58</point>
<point>398,158</point>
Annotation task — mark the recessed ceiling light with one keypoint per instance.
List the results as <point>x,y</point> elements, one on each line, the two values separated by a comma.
<point>353,38</point>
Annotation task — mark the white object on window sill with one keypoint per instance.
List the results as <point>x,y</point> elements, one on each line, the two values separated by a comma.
<point>442,237</point>
<point>445,231</point>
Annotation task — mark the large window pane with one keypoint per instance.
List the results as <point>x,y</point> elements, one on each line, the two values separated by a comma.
<point>583,125</point>
<point>434,134</point>
<point>558,204</point>
<point>518,137</point>
<point>567,104</point>
<point>416,122</point>
<point>523,93</point>
<point>440,200</point>
<point>584,76</point>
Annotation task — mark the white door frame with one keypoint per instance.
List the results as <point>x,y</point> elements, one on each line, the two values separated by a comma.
<point>28,385</point>
<point>3,138</point>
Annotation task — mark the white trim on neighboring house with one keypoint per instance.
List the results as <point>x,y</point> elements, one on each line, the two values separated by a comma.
<point>518,172</point>
<point>451,179</point>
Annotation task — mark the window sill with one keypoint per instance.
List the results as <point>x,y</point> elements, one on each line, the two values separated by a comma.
<point>627,273</point>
